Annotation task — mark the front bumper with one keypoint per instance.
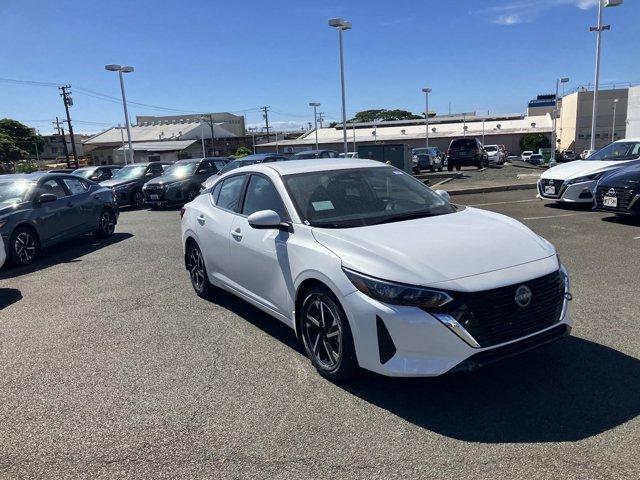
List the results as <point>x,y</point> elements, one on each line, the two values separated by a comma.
<point>164,196</point>
<point>570,193</point>
<point>402,341</point>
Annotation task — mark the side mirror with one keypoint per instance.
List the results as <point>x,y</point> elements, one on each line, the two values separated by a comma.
<point>267,220</point>
<point>47,198</point>
<point>444,194</point>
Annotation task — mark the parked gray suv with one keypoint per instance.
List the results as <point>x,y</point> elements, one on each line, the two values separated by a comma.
<point>182,182</point>
<point>127,182</point>
<point>41,209</point>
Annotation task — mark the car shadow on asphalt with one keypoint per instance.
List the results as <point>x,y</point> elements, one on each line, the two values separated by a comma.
<point>563,392</point>
<point>66,252</point>
<point>620,220</point>
<point>9,296</point>
<point>574,207</point>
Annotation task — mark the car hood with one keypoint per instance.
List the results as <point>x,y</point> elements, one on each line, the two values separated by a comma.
<point>167,180</point>
<point>118,182</point>
<point>436,249</point>
<point>629,177</point>
<point>579,168</point>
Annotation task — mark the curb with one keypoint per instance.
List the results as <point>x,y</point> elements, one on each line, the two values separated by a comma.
<point>499,188</point>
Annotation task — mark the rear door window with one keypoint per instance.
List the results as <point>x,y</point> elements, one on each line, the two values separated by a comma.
<point>463,143</point>
<point>75,185</point>
<point>229,196</point>
<point>53,186</point>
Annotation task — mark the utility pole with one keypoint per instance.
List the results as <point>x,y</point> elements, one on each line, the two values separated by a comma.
<point>64,141</point>
<point>266,119</point>
<point>320,118</point>
<point>68,101</point>
<point>213,136</point>
<point>36,144</point>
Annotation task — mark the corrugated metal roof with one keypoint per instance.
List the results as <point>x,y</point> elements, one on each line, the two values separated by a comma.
<point>168,131</point>
<point>165,146</point>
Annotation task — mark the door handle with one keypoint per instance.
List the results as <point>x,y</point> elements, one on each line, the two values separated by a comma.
<point>201,219</point>
<point>237,234</point>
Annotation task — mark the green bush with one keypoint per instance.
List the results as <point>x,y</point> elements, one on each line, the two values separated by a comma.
<point>534,142</point>
<point>242,152</point>
<point>26,167</point>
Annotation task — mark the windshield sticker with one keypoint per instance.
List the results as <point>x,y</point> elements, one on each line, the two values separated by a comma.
<point>324,205</point>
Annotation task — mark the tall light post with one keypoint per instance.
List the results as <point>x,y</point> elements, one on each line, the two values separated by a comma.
<point>121,70</point>
<point>599,29</point>
<point>341,25</point>
<point>426,91</point>
<point>315,105</point>
<point>613,127</point>
<point>559,81</point>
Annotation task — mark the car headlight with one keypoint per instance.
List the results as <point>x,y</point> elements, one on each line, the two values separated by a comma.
<point>397,293</point>
<point>586,178</point>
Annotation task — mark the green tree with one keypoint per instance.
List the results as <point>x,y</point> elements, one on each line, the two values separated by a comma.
<point>17,140</point>
<point>534,142</point>
<point>383,115</point>
<point>242,152</point>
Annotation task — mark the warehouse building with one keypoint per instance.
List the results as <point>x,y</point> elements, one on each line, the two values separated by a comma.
<point>505,130</point>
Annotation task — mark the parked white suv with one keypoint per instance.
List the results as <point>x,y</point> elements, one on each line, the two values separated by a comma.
<point>526,155</point>
<point>372,268</point>
<point>575,182</point>
<point>495,154</point>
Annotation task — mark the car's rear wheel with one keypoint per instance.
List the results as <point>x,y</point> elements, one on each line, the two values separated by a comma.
<point>24,246</point>
<point>326,335</point>
<point>198,271</point>
<point>106,224</point>
<point>450,167</point>
<point>137,199</point>
<point>432,167</point>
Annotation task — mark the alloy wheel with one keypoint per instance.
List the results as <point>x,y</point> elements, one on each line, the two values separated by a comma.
<point>195,265</point>
<point>138,199</point>
<point>323,334</point>
<point>25,247</point>
<point>107,223</point>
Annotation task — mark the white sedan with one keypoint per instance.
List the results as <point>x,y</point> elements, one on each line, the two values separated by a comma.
<point>575,182</point>
<point>373,269</point>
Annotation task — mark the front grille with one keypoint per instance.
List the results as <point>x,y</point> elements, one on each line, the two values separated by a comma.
<point>623,194</point>
<point>559,184</point>
<point>493,316</point>
<point>154,190</point>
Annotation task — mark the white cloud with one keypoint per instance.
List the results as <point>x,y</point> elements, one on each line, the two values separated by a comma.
<point>525,11</point>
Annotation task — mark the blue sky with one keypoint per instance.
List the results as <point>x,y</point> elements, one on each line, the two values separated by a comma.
<point>212,55</point>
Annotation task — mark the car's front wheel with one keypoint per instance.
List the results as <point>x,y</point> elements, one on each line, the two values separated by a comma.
<point>197,270</point>
<point>23,246</point>
<point>106,224</point>
<point>326,335</point>
<point>137,199</point>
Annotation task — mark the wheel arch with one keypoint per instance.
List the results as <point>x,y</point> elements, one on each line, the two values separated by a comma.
<point>304,287</point>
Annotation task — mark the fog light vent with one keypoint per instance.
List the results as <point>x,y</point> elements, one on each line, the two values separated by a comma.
<point>386,346</point>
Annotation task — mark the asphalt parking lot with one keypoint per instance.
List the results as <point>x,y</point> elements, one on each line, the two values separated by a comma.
<point>111,367</point>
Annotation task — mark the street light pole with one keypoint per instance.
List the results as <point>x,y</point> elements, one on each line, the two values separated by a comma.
<point>555,111</point>
<point>613,127</point>
<point>341,25</point>
<point>121,70</point>
<point>315,105</point>
<point>426,91</point>
<point>599,29</point>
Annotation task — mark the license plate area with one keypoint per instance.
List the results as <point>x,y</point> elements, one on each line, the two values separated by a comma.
<point>550,190</point>
<point>610,202</point>
<point>154,196</point>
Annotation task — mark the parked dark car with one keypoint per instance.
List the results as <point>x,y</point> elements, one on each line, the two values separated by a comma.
<point>619,192</point>
<point>568,156</point>
<point>38,210</point>
<point>181,182</point>
<point>7,167</point>
<point>61,170</point>
<point>307,154</point>
<point>127,182</point>
<point>98,173</point>
<point>466,152</point>
<point>430,158</point>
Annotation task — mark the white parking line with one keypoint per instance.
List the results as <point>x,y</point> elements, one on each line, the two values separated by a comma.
<point>552,216</point>
<point>636,238</point>
<point>504,203</point>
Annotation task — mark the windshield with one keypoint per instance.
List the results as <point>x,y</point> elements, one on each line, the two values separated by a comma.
<point>84,172</point>
<point>130,172</point>
<point>491,148</point>
<point>236,164</point>
<point>362,196</point>
<point>617,152</point>
<point>181,170</point>
<point>15,192</point>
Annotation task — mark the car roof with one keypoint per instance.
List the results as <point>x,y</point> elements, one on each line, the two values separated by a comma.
<point>305,166</point>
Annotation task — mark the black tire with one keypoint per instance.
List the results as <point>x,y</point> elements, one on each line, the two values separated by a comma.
<point>24,246</point>
<point>458,167</point>
<point>191,195</point>
<point>329,347</point>
<point>450,167</point>
<point>197,271</point>
<point>137,199</point>
<point>106,224</point>
<point>432,168</point>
